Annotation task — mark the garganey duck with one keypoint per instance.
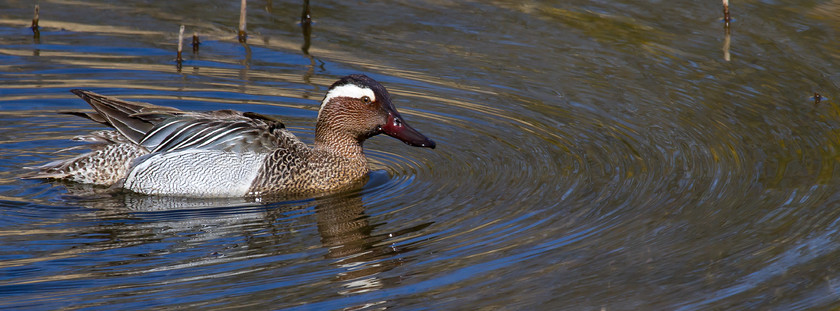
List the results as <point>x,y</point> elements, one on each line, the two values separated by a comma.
<point>160,150</point>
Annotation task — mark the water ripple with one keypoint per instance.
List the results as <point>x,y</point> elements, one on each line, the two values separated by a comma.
<point>620,165</point>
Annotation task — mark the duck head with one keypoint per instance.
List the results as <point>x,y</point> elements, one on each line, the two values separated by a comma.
<point>357,107</point>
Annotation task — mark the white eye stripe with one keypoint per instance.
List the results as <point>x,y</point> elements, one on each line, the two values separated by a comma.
<point>347,90</point>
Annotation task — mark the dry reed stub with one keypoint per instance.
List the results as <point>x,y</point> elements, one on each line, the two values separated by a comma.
<point>242,23</point>
<point>195,42</point>
<point>35,20</point>
<point>180,44</point>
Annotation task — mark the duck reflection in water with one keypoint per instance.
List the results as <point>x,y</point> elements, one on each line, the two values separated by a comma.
<point>239,229</point>
<point>348,235</point>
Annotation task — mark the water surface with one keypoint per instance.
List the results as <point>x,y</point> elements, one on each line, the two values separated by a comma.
<point>592,155</point>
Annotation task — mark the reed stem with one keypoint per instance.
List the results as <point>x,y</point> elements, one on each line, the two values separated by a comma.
<point>180,43</point>
<point>35,20</point>
<point>242,23</point>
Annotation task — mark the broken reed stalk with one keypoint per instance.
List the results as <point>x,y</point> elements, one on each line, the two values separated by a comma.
<point>242,34</point>
<point>35,20</point>
<point>180,44</point>
<point>727,34</point>
<point>726,17</point>
<point>306,16</point>
<point>195,42</point>
<point>306,26</point>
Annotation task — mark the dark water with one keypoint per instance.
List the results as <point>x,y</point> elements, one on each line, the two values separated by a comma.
<point>592,155</point>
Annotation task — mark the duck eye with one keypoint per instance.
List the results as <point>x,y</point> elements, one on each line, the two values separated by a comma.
<point>366,99</point>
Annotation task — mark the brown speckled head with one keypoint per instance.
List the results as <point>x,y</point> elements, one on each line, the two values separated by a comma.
<point>357,107</point>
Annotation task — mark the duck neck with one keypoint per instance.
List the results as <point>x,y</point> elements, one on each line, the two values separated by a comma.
<point>336,142</point>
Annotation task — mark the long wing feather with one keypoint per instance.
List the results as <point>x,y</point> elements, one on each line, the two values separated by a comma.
<point>132,119</point>
<point>163,129</point>
<point>195,132</point>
